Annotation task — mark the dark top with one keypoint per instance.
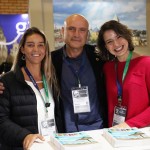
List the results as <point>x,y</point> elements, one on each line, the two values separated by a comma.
<point>75,69</point>
<point>5,67</point>
<point>95,67</point>
<point>18,111</point>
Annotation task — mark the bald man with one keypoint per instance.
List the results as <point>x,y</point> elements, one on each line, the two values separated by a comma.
<point>80,77</point>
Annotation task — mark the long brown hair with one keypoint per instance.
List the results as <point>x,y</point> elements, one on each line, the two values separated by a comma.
<point>46,66</point>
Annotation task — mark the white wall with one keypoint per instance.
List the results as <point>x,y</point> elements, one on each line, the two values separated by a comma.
<point>41,16</point>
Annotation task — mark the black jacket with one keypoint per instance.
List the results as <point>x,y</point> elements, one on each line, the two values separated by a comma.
<point>97,65</point>
<point>18,111</point>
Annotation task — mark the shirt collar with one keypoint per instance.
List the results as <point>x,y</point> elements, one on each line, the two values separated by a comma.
<point>66,56</point>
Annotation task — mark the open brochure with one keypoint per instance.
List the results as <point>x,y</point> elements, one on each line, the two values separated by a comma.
<point>126,137</point>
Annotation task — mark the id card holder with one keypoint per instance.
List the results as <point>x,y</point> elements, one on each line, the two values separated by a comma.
<point>119,115</point>
<point>47,127</point>
<point>80,98</point>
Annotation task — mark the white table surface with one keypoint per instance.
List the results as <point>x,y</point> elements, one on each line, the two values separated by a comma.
<point>97,135</point>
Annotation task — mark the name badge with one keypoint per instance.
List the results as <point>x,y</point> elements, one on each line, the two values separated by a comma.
<point>80,98</point>
<point>119,115</point>
<point>47,127</point>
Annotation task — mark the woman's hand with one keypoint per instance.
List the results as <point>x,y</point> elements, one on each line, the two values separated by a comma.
<point>1,88</point>
<point>29,139</point>
<point>122,125</point>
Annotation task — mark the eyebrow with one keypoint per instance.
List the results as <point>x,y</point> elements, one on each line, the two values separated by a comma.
<point>34,42</point>
<point>108,40</point>
<point>77,27</point>
<point>112,38</point>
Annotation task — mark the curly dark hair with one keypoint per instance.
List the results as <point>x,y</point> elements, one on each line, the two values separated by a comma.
<point>121,30</point>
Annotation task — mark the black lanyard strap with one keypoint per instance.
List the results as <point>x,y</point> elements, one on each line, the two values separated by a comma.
<point>76,73</point>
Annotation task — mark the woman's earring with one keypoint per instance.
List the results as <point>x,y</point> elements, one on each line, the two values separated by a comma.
<point>23,57</point>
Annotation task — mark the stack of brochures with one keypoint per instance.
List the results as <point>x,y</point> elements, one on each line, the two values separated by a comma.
<point>126,137</point>
<point>75,140</point>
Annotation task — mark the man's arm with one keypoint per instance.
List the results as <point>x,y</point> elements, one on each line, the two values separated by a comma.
<point>1,88</point>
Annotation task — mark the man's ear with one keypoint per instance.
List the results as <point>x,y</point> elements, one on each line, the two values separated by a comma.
<point>88,34</point>
<point>62,31</point>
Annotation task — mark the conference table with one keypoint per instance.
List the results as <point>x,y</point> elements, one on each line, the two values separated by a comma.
<point>97,135</point>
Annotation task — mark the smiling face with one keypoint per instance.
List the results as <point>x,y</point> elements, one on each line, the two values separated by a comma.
<point>75,32</point>
<point>34,49</point>
<point>116,44</point>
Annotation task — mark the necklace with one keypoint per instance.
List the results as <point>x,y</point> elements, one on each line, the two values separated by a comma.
<point>39,81</point>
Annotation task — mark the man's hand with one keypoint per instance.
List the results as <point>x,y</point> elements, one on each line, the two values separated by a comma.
<point>1,88</point>
<point>29,139</point>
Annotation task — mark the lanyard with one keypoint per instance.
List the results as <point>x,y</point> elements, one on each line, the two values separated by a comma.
<point>119,88</point>
<point>46,101</point>
<point>75,72</point>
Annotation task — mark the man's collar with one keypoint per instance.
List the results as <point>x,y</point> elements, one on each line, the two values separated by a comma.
<point>65,53</point>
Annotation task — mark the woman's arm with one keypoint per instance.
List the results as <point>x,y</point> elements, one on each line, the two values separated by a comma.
<point>10,133</point>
